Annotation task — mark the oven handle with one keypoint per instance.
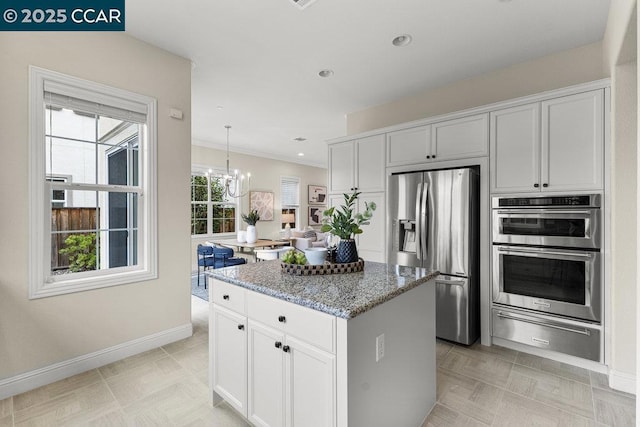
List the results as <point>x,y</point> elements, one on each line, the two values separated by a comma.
<point>543,251</point>
<point>544,212</point>
<point>549,325</point>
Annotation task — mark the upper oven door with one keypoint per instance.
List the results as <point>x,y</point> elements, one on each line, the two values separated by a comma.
<point>574,228</point>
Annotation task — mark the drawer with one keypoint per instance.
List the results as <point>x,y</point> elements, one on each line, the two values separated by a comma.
<point>309,325</point>
<point>548,333</point>
<point>227,295</point>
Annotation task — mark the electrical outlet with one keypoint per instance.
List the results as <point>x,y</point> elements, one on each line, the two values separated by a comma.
<point>379,347</point>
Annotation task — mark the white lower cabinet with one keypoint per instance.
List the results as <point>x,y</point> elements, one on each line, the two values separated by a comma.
<point>266,376</point>
<point>290,382</point>
<point>229,367</point>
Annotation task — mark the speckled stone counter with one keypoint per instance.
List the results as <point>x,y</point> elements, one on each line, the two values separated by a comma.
<point>342,295</point>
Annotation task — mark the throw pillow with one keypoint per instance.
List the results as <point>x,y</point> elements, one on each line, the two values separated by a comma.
<point>310,234</point>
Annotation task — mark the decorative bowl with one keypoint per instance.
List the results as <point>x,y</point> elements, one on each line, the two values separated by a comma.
<point>315,256</point>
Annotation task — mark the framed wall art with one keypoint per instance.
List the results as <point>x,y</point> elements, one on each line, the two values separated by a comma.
<point>262,201</point>
<point>315,215</point>
<point>317,195</point>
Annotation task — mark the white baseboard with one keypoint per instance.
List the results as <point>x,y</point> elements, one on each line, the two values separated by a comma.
<point>622,381</point>
<point>58,371</point>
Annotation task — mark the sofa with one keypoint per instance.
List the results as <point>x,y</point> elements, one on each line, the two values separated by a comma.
<point>309,239</point>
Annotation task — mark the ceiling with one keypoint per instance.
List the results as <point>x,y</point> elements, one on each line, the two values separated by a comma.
<point>256,62</point>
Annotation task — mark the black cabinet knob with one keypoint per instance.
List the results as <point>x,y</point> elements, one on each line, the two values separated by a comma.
<point>433,157</point>
<point>278,344</point>
<point>285,349</point>
<point>282,319</point>
<point>241,327</point>
<point>225,297</point>
<point>536,185</point>
<point>545,185</point>
<point>428,157</point>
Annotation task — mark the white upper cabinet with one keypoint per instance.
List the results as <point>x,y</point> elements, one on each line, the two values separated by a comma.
<point>553,145</point>
<point>409,146</point>
<point>573,142</point>
<point>460,138</point>
<point>515,148</point>
<point>357,165</point>
<point>447,140</point>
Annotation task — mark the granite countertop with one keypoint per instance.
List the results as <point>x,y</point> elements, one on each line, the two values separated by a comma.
<point>342,295</point>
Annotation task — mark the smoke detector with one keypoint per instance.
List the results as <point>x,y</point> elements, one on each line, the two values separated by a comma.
<point>302,4</point>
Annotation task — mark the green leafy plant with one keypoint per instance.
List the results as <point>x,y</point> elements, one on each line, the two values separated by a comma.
<point>343,221</point>
<point>81,250</point>
<point>251,218</point>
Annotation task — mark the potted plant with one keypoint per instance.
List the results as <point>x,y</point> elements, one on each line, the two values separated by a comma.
<point>345,223</point>
<point>251,220</point>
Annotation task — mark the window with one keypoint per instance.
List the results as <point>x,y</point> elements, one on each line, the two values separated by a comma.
<point>290,200</point>
<point>92,182</point>
<point>211,211</point>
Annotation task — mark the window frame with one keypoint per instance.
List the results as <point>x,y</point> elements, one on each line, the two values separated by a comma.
<point>41,282</point>
<point>295,207</point>
<point>208,172</point>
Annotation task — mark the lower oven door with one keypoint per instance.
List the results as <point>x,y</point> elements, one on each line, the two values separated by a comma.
<point>543,331</point>
<point>559,281</point>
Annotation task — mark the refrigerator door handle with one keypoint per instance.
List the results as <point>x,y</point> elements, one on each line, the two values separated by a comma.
<point>423,219</point>
<point>418,222</point>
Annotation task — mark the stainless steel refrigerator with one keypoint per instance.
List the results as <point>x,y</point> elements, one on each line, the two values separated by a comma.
<point>433,221</point>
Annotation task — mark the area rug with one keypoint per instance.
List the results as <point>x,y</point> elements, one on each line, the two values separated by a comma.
<point>199,291</point>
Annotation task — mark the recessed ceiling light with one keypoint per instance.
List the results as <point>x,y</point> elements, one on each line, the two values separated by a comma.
<point>299,139</point>
<point>402,40</point>
<point>219,107</point>
<point>300,154</point>
<point>326,73</point>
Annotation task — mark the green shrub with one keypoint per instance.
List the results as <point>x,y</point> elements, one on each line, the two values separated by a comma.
<point>81,249</point>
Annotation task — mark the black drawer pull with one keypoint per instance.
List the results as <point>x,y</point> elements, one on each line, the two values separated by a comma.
<point>536,185</point>
<point>241,327</point>
<point>285,349</point>
<point>278,344</point>
<point>225,297</point>
<point>282,319</point>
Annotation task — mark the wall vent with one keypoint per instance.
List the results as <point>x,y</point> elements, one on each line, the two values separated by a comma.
<point>302,4</point>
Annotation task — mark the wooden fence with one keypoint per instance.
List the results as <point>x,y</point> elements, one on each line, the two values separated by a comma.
<point>68,219</point>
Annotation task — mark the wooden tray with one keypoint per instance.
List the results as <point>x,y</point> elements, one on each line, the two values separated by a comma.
<point>326,268</point>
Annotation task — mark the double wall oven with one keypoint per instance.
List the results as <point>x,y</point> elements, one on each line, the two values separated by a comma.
<point>547,272</point>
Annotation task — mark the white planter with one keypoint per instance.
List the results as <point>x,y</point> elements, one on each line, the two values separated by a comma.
<point>252,235</point>
<point>242,236</point>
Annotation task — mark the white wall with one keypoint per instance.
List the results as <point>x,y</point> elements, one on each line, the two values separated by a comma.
<point>579,65</point>
<point>619,60</point>
<point>265,176</point>
<point>38,333</point>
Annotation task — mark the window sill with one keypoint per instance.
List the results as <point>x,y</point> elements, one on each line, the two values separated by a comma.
<point>80,284</point>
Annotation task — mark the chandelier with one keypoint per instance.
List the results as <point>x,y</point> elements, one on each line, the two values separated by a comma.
<point>234,184</point>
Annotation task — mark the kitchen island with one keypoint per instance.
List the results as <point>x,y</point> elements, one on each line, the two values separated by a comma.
<point>354,349</point>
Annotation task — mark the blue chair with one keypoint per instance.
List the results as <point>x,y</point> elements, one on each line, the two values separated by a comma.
<point>216,257</point>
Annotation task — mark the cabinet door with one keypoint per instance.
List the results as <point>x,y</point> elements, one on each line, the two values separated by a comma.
<point>310,385</point>
<point>572,142</point>
<point>229,357</point>
<point>341,167</point>
<point>371,243</point>
<point>515,149</point>
<point>370,165</point>
<point>460,138</point>
<point>266,402</point>
<point>409,146</point>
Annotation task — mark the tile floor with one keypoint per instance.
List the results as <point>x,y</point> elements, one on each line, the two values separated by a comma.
<point>477,386</point>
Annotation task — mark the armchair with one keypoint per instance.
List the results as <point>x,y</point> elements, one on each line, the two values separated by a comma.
<point>216,257</point>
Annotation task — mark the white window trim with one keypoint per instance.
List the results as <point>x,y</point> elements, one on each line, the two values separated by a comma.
<point>40,283</point>
<point>203,170</point>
